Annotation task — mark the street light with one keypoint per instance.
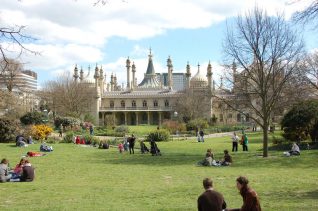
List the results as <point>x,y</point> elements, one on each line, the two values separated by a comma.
<point>175,114</point>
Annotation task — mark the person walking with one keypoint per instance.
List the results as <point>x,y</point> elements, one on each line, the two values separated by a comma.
<point>235,140</point>
<point>210,200</point>
<point>250,197</point>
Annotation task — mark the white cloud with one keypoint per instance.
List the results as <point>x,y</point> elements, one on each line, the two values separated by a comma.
<point>74,31</point>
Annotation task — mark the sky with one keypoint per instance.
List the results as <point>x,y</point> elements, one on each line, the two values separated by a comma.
<point>75,32</point>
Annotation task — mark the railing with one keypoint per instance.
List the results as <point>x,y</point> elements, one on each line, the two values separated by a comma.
<point>159,108</point>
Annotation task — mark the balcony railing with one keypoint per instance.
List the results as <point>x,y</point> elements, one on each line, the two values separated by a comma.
<point>159,108</point>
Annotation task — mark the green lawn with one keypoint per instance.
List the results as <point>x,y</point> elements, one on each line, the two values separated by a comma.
<point>78,178</point>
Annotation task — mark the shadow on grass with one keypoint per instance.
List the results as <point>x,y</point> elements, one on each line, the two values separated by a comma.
<point>293,195</point>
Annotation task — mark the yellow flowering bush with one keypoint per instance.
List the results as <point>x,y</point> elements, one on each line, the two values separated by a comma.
<point>41,131</point>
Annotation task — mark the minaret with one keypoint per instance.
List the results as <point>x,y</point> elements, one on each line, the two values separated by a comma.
<point>209,76</point>
<point>81,75</point>
<point>128,74</point>
<point>96,76</point>
<point>75,73</point>
<point>188,75</point>
<point>112,82</point>
<point>115,83</point>
<point>170,66</point>
<point>133,84</point>
<point>101,80</point>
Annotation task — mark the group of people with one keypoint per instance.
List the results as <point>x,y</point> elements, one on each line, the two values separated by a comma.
<point>210,161</point>
<point>211,200</point>
<point>23,171</point>
<point>243,141</point>
<point>129,144</point>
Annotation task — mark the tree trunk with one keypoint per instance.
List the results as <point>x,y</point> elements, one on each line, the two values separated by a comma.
<point>265,140</point>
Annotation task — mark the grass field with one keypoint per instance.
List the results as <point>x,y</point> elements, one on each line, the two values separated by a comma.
<point>80,178</point>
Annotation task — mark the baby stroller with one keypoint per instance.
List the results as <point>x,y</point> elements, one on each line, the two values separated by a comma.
<point>154,150</point>
<point>143,148</point>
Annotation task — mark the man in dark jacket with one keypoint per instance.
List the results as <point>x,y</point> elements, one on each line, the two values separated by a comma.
<point>210,200</point>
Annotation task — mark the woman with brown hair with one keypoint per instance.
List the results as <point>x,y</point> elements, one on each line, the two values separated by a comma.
<point>250,198</point>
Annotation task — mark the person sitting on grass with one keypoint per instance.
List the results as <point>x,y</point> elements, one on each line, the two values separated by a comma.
<point>295,149</point>
<point>227,160</point>
<point>17,172</point>
<point>207,161</point>
<point>4,171</point>
<point>27,172</point>
<point>143,147</point>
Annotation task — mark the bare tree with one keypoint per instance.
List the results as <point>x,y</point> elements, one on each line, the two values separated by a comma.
<point>267,52</point>
<point>310,14</point>
<point>12,35</point>
<point>192,105</point>
<point>9,70</point>
<point>67,97</point>
<point>309,68</point>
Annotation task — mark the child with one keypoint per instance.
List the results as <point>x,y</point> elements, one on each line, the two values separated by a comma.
<point>120,147</point>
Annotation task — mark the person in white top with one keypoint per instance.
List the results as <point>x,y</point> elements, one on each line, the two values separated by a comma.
<point>295,149</point>
<point>235,140</point>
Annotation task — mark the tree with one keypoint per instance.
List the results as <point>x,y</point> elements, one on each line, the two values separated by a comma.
<point>309,70</point>
<point>266,51</point>
<point>32,118</point>
<point>9,71</point>
<point>12,35</point>
<point>67,97</point>
<point>8,129</point>
<point>310,14</point>
<point>301,120</point>
<point>191,105</point>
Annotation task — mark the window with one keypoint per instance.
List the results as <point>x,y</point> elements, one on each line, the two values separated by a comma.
<point>221,117</point>
<point>111,104</point>
<point>133,103</point>
<point>155,103</point>
<point>229,116</point>
<point>166,103</point>
<point>144,103</point>
<point>122,103</point>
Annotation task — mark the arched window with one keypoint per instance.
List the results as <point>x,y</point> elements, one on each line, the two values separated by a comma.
<point>111,104</point>
<point>133,103</point>
<point>122,103</point>
<point>144,103</point>
<point>155,103</point>
<point>166,103</point>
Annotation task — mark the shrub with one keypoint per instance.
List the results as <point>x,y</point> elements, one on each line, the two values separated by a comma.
<point>68,138</point>
<point>8,130</point>
<point>66,122</point>
<point>40,132</point>
<point>122,129</point>
<point>301,121</point>
<point>32,118</point>
<point>197,123</point>
<point>173,126</point>
<point>158,135</point>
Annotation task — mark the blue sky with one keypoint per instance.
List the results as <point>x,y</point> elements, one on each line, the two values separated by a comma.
<point>70,32</point>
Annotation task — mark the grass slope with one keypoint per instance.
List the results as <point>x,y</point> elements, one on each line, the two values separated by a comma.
<point>79,178</point>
